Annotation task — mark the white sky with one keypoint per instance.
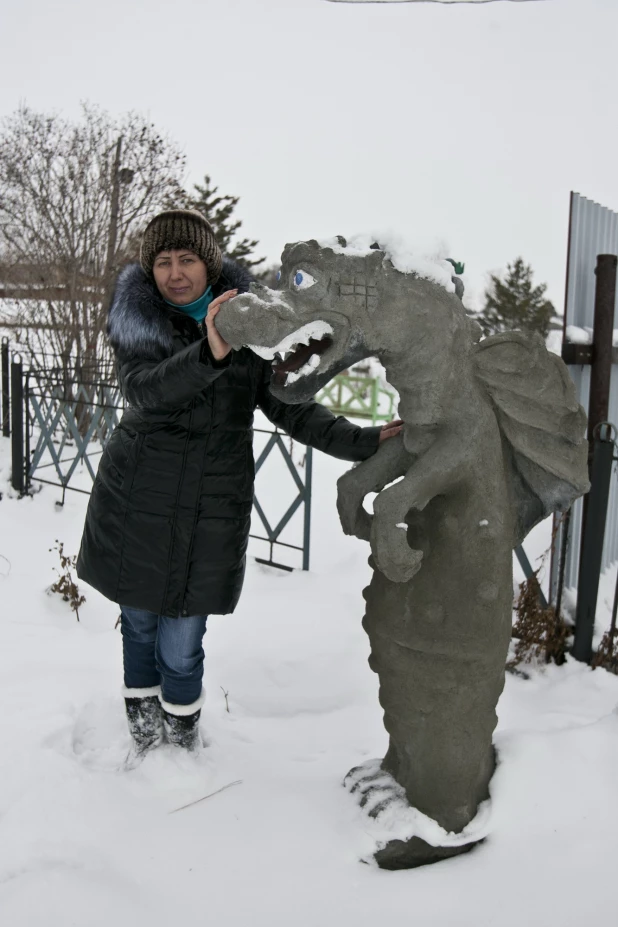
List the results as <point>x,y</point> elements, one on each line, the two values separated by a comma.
<point>465,124</point>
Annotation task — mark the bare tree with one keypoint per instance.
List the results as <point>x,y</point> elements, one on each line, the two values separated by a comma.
<point>74,196</point>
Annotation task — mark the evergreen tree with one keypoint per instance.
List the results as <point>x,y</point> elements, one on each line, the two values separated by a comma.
<point>515,303</point>
<point>219,210</point>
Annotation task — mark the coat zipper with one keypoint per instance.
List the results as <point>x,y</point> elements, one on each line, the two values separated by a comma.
<point>174,519</point>
<point>199,489</point>
<point>175,516</point>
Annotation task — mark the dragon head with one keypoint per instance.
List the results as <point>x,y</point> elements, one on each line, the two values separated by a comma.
<point>316,322</point>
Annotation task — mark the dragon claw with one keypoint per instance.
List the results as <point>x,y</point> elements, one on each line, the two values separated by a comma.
<point>355,521</point>
<point>392,554</point>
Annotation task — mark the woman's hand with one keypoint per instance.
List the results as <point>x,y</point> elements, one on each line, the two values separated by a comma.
<point>391,429</point>
<point>218,347</point>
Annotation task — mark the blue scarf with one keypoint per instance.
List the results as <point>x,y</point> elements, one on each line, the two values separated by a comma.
<point>198,309</point>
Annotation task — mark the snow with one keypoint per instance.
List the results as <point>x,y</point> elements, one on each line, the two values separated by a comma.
<point>553,342</point>
<point>9,308</point>
<point>259,830</point>
<point>398,821</point>
<point>605,603</point>
<point>576,335</point>
<point>404,256</point>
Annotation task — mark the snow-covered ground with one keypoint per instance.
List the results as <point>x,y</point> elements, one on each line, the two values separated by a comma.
<point>84,843</point>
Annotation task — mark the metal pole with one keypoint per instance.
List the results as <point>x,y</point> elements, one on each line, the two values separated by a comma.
<point>307,526</point>
<point>17,422</point>
<point>592,546</point>
<point>601,370</point>
<point>601,366</point>
<point>113,219</point>
<point>564,546</point>
<point>612,627</point>
<point>27,458</point>
<point>529,573</point>
<point>374,401</point>
<point>113,223</point>
<point>6,393</point>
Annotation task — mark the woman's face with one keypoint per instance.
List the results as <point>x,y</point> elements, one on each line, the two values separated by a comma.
<point>180,276</point>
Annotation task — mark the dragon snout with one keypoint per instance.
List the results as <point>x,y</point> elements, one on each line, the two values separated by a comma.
<point>250,319</point>
<point>237,317</point>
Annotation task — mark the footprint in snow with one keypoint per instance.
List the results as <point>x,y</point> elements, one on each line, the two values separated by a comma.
<point>99,738</point>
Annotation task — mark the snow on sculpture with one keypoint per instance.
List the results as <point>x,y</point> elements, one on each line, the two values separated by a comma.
<point>493,442</point>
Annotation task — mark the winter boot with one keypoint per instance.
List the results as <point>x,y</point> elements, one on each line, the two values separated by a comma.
<point>144,715</point>
<point>181,723</point>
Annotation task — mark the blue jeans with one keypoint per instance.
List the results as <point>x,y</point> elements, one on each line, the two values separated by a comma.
<point>164,652</point>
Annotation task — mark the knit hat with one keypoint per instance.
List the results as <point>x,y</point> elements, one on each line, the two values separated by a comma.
<point>181,228</point>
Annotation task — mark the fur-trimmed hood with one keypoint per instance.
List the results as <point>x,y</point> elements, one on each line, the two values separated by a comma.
<point>140,325</point>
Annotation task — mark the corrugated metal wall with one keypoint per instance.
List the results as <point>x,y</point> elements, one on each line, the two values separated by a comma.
<point>593,231</point>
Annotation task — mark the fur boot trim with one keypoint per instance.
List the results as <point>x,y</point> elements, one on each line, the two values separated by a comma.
<point>183,711</point>
<point>140,693</point>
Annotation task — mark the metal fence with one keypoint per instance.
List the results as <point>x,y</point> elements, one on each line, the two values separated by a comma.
<point>593,230</point>
<point>359,397</point>
<point>279,443</point>
<point>59,428</point>
<point>67,424</point>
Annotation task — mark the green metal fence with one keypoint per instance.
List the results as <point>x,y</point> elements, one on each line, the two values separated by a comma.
<point>358,397</point>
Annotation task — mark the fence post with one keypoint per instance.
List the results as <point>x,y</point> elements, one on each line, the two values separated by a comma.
<point>601,368</point>
<point>528,572</point>
<point>6,416</point>
<point>17,426</point>
<point>307,500</point>
<point>565,539</point>
<point>27,458</point>
<point>592,543</point>
<point>375,398</point>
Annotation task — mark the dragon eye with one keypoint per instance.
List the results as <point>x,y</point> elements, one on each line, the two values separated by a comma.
<point>303,280</point>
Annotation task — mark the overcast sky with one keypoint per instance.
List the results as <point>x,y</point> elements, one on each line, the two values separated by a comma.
<point>466,125</point>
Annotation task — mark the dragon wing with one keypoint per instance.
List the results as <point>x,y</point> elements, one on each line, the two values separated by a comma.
<point>541,422</point>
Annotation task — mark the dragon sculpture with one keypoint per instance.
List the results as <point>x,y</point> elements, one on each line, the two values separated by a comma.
<point>493,442</point>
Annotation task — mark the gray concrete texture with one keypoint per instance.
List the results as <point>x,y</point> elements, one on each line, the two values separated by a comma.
<point>493,443</point>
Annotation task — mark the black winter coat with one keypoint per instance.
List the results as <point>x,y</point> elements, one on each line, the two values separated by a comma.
<point>168,519</point>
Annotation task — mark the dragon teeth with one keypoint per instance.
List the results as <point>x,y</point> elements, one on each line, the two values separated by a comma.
<point>312,364</point>
<point>303,335</point>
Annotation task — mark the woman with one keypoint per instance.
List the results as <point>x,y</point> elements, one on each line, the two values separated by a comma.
<point>168,519</point>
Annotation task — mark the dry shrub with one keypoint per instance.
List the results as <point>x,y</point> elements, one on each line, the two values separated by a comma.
<point>607,654</point>
<point>66,585</point>
<point>540,633</point>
